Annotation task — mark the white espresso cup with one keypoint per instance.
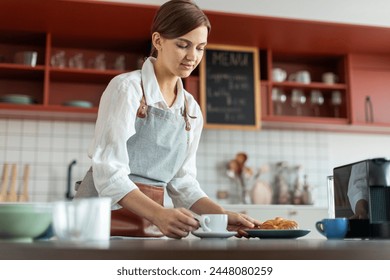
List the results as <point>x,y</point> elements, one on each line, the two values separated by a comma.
<point>279,75</point>
<point>27,58</point>
<point>329,78</point>
<point>213,222</point>
<point>301,77</point>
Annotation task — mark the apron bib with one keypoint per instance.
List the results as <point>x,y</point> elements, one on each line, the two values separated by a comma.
<point>156,152</point>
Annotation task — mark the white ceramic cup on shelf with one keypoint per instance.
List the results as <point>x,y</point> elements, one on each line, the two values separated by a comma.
<point>213,222</point>
<point>329,78</point>
<point>27,58</point>
<point>279,75</point>
<point>82,220</point>
<point>302,76</point>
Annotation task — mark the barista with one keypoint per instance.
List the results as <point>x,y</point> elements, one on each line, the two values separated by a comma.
<point>148,130</point>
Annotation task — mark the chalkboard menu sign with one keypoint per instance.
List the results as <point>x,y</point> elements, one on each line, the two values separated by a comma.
<point>229,87</point>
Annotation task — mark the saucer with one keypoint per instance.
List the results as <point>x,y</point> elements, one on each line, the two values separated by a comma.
<point>224,234</point>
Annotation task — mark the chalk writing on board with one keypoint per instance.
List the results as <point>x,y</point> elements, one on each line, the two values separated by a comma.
<point>230,86</point>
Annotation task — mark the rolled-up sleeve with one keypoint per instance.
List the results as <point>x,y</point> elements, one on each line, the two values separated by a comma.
<point>114,126</point>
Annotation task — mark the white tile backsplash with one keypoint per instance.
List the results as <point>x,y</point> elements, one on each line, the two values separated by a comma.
<point>50,146</point>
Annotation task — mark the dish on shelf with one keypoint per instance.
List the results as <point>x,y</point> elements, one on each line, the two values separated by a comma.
<point>16,99</point>
<point>78,103</point>
<point>277,234</point>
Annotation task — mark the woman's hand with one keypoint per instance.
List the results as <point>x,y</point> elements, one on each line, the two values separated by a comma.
<point>236,221</point>
<point>239,222</point>
<point>175,223</point>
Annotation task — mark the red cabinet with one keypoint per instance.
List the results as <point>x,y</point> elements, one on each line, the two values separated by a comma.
<point>20,77</point>
<point>358,55</point>
<point>370,85</point>
<point>72,83</point>
<point>301,94</point>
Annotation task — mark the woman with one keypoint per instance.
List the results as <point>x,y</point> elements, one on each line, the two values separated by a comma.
<point>148,130</point>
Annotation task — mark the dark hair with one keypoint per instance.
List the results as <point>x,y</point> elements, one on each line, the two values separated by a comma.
<point>176,18</point>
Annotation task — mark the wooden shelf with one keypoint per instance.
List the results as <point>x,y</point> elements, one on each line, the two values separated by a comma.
<point>340,127</point>
<point>40,107</point>
<point>307,119</point>
<point>13,71</point>
<point>47,113</point>
<point>291,85</point>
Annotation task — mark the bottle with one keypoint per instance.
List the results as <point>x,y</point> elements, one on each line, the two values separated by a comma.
<point>297,194</point>
<point>306,195</point>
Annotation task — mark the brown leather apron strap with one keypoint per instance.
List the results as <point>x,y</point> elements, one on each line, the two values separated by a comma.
<point>142,109</point>
<point>126,223</point>
<point>186,115</point>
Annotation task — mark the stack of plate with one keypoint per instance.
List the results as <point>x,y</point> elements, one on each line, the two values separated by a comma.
<point>16,99</point>
<point>78,103</point>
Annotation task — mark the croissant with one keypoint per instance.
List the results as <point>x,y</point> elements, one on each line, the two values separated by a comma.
<point>279,223</point>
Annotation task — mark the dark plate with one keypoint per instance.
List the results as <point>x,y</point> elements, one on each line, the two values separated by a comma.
<point>277,234</point>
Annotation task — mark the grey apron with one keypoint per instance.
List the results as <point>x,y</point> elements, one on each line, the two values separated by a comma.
<point>156,151</point>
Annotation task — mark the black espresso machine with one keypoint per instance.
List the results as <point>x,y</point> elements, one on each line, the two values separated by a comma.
<point>368,181</point>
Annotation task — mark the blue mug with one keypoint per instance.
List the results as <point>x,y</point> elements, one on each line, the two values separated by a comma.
<point>333,228</point>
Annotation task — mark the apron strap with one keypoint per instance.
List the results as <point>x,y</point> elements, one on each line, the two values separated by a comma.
<point>143,108</point>
<point>142,111</point>
<point>186,115</point>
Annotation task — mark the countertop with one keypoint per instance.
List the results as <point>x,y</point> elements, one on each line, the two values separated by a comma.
<point>199,249</point>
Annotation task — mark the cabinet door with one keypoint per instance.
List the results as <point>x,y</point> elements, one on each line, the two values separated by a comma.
<point>370,78</point>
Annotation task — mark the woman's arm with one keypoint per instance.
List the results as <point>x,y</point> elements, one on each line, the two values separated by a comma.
<point>174,223</point>
<point>114,126</point>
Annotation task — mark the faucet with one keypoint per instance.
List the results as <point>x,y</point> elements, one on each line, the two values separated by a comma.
<point>68,189</point>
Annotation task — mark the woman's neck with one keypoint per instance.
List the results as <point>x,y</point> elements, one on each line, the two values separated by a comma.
<point>167,84</point>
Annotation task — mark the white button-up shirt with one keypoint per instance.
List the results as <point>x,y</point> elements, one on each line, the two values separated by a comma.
<point>116,124</point>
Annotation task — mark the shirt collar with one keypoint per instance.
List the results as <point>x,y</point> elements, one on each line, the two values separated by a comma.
<point>152,90</point>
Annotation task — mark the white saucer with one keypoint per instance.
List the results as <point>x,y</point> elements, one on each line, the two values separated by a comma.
<point>224,234</point>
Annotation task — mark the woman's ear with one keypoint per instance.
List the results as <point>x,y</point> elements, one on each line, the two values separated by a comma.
<point>156,40</point>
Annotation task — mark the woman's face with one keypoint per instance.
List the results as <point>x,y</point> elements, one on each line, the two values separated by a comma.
<point>180,56</point>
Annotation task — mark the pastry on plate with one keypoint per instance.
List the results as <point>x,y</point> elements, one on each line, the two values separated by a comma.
<point>279,223</point>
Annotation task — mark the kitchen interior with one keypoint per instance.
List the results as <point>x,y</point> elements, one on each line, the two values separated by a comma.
<point>299,148</point>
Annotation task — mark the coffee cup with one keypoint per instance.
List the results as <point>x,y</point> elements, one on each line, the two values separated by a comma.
<point>333,228</point>
<point>329,78</point>
<point>279,75</point>
<point>213,222</point>
<point>301,77</point>
<point>27,58</point>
